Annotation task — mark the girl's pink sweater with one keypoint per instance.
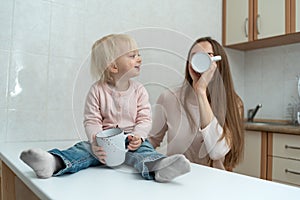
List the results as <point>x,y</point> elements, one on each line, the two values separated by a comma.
<point>106,108</point>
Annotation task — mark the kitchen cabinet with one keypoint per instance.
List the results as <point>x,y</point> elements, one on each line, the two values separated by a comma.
<point>284,158</point>
<point>254,160</point>
<point>11,187</point>
<point>253,24</point>
<point>272,152</point>
<point>237,21</point>
<point>270,18</point>
<point>248,20</point>
<point>295,15</point>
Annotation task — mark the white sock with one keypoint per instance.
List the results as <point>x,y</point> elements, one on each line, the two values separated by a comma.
<point>43,163</point>
<point>171,167</point>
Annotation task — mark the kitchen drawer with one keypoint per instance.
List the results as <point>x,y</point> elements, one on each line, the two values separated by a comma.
<point>286,170</point>
<point>287,146</point>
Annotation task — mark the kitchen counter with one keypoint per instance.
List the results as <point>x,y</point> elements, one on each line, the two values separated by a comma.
<point>122,183</point>
<point>273,127</point>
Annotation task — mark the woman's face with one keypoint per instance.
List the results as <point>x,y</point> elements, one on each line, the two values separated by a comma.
<point>204,46</point>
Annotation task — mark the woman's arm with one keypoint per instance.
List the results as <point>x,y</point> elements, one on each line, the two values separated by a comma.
<point>210,128</point>
<point>159,125</point>
<point>214,146</point>
<point>200,84</point>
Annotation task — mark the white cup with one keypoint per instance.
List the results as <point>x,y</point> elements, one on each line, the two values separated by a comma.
<point>201,61</point>
<point>113,143</point>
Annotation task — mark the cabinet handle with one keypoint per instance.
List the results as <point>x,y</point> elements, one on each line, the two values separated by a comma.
<point>258,24</point>
<point>292,172</point>
<point>246,27</point>
<point>291,147</point>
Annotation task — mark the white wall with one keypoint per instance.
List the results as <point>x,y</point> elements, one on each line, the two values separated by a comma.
<point>44,45</point>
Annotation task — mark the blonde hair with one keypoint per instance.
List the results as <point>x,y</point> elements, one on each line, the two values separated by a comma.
<point>106,50</point>
<point>226,105</point>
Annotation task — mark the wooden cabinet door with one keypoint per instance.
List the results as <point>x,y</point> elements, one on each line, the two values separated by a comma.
<point>297,15</point>
<point>269,18</point>
<point>251,165</point>
<point>236,21</point>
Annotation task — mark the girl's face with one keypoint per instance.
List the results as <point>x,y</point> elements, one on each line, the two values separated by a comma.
<point>204,46</point>
<point>129,64</point>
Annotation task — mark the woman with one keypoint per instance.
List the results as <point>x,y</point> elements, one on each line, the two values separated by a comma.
<point>203,119</point>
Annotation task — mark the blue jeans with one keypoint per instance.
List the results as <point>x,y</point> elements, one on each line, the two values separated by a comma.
<point>80,157</point>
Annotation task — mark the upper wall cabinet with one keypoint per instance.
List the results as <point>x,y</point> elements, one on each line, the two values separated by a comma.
<point>295,15</point>
<point>237,21</point>
<point>253,24</point>
<point>269,18</point>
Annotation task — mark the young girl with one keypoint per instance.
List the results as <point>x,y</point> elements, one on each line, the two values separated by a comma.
<point>204,116</point>
<point>113,101</point>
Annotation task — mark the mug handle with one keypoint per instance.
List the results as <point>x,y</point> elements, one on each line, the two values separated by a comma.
<point>126,139</point>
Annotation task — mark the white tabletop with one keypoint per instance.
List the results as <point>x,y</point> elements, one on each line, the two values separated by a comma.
<point>122,183</point>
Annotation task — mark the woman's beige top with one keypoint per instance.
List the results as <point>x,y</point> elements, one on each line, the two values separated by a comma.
<point>199,146</point>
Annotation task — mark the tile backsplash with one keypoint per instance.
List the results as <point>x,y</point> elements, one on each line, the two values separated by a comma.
<point>44,45</point>
<point>271,79</point>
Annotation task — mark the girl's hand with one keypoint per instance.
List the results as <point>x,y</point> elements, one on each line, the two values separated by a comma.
<point>135,142</point>
<point>98,151</point>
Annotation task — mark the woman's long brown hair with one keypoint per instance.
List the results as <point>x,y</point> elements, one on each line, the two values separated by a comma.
<point>228,110</point>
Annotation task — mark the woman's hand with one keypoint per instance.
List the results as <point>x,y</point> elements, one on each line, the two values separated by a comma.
<point>200,84</point>
<point>201,81</point>
<point>135,142</point>
<point>98,151</point>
